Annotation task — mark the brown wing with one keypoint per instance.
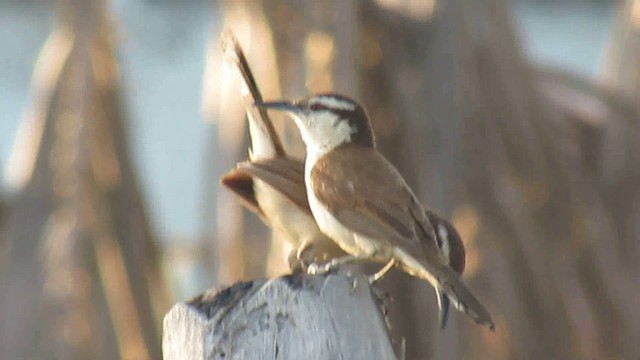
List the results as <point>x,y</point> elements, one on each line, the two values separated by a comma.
<point>366,194</point>
<point>241,184</point>
<point>284,174</point>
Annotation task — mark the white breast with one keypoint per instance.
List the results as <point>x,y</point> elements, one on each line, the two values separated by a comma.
<point>326,221</point>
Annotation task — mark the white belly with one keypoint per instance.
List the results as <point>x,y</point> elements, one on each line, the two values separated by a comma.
<point>284,216</point>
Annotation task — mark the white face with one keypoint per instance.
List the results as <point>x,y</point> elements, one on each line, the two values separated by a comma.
<point>322,130</point>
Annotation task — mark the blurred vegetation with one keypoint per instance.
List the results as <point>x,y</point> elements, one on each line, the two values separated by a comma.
<point>536,167</point>
<point>80,275</point>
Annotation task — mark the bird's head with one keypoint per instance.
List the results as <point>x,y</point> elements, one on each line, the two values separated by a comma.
<point>327,121</point>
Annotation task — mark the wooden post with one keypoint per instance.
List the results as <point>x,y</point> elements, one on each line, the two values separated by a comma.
<point>291,317</point>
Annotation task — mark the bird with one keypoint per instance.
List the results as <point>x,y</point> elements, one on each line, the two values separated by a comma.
<point>272,173</point>
<point>287,177</point>
<point>275,191</point>
<point>361,201</point>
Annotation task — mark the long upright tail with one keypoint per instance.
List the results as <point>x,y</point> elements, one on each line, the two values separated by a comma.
<point>265,142</point>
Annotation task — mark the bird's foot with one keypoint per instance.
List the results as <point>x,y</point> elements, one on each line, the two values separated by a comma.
<point>320,269</point>
<point>354,284</point>
<point>317,269</point>
<point>377,276</point>
<point>295,264</point>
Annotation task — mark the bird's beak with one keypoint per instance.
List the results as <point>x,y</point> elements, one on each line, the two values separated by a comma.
<point>279,105</point>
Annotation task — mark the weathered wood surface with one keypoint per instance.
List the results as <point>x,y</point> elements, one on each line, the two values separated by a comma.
<point>291,317</point>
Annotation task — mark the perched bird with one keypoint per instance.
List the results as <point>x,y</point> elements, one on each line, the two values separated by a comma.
<point>272,174</point>
<point>275,191</point>
<point>287,177</point>
<point>362,202</point>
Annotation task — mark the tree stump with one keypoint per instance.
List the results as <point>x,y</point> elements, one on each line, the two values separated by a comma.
<point>297,316</point>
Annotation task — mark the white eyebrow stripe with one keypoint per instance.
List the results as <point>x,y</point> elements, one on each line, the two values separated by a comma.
<point>334,103</point>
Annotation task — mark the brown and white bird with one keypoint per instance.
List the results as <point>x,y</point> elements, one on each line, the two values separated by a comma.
<point>271,184</point>
<point>271,173</point>
<point>362,202</point>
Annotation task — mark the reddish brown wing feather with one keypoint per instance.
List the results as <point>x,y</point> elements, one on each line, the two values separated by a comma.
<point>285,174</point>
<point>241,184</point>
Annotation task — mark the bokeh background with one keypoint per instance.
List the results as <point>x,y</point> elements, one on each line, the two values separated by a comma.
<point>518,120</point>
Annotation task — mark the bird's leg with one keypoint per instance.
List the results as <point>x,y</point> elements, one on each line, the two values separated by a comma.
<point>299,254</point>
<point>315,269</point>
<point>377,276</point>
<point>302,249</point>
<point>295,264</point>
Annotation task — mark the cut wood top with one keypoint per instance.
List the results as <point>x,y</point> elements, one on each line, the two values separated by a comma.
<point>291,317</point>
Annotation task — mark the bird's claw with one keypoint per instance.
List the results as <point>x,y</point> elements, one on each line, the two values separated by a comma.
<point>354,284</point>
<point>319,269</point>
<point>372,280</point>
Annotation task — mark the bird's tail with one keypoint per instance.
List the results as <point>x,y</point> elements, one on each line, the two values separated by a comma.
<point>443,305</point>
<point>444,279</point>
<point>265,142</point>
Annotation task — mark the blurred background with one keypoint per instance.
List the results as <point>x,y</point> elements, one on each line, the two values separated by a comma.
<point>518,120</point>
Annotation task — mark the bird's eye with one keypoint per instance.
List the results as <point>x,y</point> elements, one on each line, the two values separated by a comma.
<point>315,107</point>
